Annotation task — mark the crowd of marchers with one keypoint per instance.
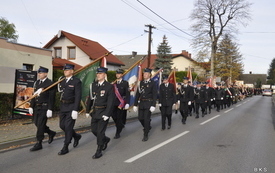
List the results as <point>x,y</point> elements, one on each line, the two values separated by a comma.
<point>107,100</point>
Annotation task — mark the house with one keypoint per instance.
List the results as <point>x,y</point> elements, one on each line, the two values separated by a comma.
<point>181,62</point>
<point>70,48</point>
<point>253,78</point>
<point>19,56</point>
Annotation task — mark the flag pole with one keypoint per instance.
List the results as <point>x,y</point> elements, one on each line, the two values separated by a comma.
<point>57,82</point>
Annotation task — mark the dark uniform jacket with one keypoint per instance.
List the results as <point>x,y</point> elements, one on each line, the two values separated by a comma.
<point>103,101</point>
<point>167,95</point>
<point>123,89</point>
<point>186,94</point>
<point>45,99</point>
<point>200,95</point>
<point>210,93</point>
<point>219,93</point>
<point>146,94</point>
<point>70,94</point>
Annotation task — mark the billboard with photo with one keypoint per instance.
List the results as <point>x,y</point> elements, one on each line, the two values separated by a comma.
<point>23,89</point>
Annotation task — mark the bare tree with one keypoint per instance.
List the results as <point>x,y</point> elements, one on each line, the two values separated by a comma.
<point>212,19</point>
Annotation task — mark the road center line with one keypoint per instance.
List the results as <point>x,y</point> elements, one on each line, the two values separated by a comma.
<point>209,120</point>
<point>155,147</point>
<point>228,110</point>
<point>238,105</point>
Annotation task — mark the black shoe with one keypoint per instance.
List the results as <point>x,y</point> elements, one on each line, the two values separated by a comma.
<point>162,129</point>
<point>117,136</point>
<point>145,138</point>
<point>98,153</point>
<point>105,145</point>
<point>51,136</point>
<point>64,150</point>
<point>169,127</point>
<point>209,112</point>
<point>190,114</point>
<point>76,140</point>
<point>197,116</point>
<point>37,146</point>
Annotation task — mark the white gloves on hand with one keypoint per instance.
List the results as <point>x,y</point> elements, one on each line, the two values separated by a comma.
<point>160,105</point>
<point>189,103</point>
<point>230,96</point>
<point>105,118</point>
<point>38,91</point>
<point>126,106</point>
<point>30,110</point>
<point>211,100</point>
<point>135,108</point>
<point>49,113</point>
<point>74,115</point>
<point>221,98</point>
<point>152,109</point>
<point>87,115</point>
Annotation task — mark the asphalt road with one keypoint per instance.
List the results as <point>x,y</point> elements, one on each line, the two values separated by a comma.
<point>238,139</point>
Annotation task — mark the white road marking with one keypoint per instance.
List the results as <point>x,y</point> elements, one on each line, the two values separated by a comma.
<point>155,147</point>
<point>245,102</point>
<point>228,110</point>
<point>238,105</point>
<point>209,120</point>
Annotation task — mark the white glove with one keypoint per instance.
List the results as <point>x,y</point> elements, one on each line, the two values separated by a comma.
<point>230,96</point>
<point>87,115</point>
<point>135,108</point>
<point>30,110</point>
<point>160,105</point>
<point>49,113</point>
<point>38,91</point>
<point>178,102</point>
<point>221,98</point>
<point>211,100</point>
<point>126,106</point>
<point>189,103</point>
<point>74,115</point>
<point>152,109</point>
<point>105,118</point>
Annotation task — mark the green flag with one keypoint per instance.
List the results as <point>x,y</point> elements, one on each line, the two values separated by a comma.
<point>87,77</point>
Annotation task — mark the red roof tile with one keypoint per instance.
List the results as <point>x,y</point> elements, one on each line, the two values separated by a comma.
<point>93,49</point>
<point>59,63</point>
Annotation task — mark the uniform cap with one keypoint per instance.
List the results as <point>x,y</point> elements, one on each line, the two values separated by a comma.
<point>185,78</point>
<point>119,71</point>
<point>42,70</point>
<point>68,67</point>
<point>164,76</point>
<point>147,70</point>
<point>101,70</point>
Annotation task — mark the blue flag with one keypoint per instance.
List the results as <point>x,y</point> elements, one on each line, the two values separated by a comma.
<point>132,78</point>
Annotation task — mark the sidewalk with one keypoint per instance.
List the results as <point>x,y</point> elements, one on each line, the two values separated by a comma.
<point>22,131</point>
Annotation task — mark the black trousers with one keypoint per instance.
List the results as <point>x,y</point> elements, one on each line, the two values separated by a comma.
<point>99,127</point>
<point>198,106</point>
<point>66,123</point>
<point>208,105</point>
<point>40,121</point>
<point>118,117</point>
<point>144,117</point>
<point>218,104</point>
<point>166,113</point>
<point>184,109</point>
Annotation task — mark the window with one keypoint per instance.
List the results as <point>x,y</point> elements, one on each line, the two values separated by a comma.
<point>57,52</point>
<point>28,67</point>
<point>71,52</point>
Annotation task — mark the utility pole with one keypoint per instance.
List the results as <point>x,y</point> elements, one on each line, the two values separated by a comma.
<point>149,42</point>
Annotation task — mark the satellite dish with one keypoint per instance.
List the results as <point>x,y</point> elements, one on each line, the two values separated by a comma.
<point>59,34</point>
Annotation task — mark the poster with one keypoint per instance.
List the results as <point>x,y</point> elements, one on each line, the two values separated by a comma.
<point>23,89</point>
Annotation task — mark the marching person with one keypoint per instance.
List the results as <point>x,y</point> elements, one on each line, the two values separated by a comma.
<point>200,100</point>
<point>209,97</point>
<point>185,98</point>
<point>70,98</point>
<point>100,101</point>
<point>41,107</point>
<point>121,103</point>
<point>146,97</point>
<point>219,96</point>
<point>167,98</point>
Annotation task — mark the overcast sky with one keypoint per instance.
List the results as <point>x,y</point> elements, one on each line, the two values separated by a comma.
<point>119,25</point>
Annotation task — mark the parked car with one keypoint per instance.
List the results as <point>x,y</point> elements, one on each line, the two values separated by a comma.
<point>267,92</point>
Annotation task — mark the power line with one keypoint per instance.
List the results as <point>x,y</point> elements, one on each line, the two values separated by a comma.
<point>127,41</point>
<point>164,19</point>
